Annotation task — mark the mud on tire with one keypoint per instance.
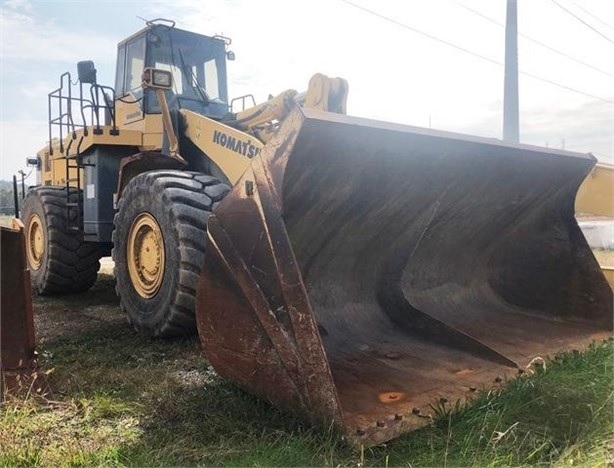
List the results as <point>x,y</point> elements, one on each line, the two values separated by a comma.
<point>158,293</point>
<point>59,260</point>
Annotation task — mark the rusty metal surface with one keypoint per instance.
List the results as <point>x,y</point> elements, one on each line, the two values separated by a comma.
<point>19,367</point>
<point>361,271</point>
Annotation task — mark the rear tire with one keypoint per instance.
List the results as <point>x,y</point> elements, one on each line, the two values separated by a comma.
<point>60,262</point>
<point>159,248</point>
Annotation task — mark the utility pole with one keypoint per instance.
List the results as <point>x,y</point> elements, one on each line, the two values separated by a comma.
<point>23,186</point>
<point>511,132</point>
<point>15,197</point>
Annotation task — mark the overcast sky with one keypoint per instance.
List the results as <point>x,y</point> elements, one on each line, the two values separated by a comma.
<point>431,63</point>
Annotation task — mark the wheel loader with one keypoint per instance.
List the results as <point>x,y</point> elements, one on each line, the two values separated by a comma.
<point>355,271</point>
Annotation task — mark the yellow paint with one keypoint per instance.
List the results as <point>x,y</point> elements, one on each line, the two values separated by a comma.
<point>227,147</point>
<point>35,241</point>
<point>145,132</point>
<point>391,397</point>
<point>608,272</point>
<point>145,255</point>
<point>128,111</point>
<point>596,197</point>
<point>53,164</point>
<point>327,94</point>
<point>596,194</point>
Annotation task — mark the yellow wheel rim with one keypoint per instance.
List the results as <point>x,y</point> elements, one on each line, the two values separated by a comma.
<point>35,248</point>
<point>145,255</point>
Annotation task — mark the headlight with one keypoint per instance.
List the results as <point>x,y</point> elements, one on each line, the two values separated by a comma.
<point>155,78</point>
<point>162,78</point>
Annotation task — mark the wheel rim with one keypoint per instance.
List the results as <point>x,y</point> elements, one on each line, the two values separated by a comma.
<point>145,255</point>
<point>35,249</point>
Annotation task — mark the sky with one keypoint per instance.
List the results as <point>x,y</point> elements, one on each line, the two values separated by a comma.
<point>428,63</point>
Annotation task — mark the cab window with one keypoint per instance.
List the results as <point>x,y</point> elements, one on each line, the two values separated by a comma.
<point>135,63</point>
<point>121,69</point>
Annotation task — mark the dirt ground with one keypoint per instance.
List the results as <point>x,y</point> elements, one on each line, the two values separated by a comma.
<point>63,316</point>
<point>61,321</point>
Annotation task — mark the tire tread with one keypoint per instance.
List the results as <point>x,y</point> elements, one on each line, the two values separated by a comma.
<point>189,197</point>
<point>72,264</point>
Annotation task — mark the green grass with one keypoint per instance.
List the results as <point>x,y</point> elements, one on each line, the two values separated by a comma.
<point>120,399</point>
<point>562,415</point>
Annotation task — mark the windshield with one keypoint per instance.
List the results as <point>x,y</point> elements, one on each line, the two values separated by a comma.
<point>197,63</point>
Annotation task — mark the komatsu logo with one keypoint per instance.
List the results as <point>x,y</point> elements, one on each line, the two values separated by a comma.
<point>245,148</point>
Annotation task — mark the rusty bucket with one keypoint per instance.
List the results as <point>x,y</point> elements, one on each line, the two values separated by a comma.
<point>361,271</point>
<point>19,368</point>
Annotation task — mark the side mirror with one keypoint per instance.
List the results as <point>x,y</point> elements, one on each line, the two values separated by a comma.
<point>230,55</point>
<point>86,71</point>
<point>36,162</point>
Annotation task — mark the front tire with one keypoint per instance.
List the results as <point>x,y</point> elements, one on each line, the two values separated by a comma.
<point>158,248</point>
<point>60,262</point>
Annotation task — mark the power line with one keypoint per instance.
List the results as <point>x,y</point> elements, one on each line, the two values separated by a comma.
<point>592,15</point>
<point>582,21</point>
<point>536,41</point>
<point>562,86</point>
<point>422,33</point>
<point>475,54</point>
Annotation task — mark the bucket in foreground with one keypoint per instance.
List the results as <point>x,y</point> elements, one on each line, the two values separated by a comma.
<point>362,271</point>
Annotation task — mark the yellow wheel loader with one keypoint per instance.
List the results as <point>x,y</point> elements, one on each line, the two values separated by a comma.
<point>355,271</point>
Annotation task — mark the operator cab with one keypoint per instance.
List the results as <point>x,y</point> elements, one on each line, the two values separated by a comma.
<point>197,62</point>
